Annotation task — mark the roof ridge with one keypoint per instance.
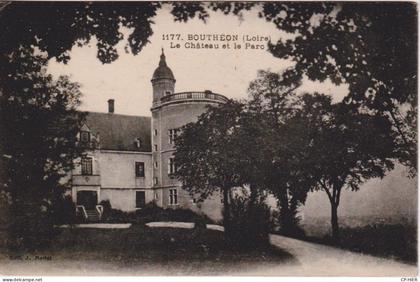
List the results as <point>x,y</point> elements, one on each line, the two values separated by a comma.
<point>114,114</point>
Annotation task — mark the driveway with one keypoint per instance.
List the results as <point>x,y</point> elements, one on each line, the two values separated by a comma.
<point>320,260</point>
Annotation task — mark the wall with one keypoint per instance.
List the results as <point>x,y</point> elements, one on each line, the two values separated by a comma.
<point>171,117</point>
<point>118,178</point>
<point>161,86</point>
<point>118,169</point>
<point>184,199</point>
<point>124,199</point>
<point>114,178</point>
<point>86,182</point>
<point>212,206</point>
<point>95,163</point>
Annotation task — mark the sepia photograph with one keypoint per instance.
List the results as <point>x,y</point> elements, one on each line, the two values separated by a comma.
<point>220,138</point>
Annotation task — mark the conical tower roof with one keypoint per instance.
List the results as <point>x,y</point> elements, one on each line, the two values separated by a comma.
<point>163,71</point>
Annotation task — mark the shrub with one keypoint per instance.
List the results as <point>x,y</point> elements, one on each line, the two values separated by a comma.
<point>64,211</point>
<point>32,227</point>
<point>106,205</point>
<point>288,225</point>
<point>396,240</point>
<point>151,212</point>
<point>249,223</point>
<point>111,215</point>
<point>154,213</point>
<point>35,225</point>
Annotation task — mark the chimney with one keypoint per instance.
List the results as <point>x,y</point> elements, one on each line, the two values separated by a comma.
<point>111,106</point>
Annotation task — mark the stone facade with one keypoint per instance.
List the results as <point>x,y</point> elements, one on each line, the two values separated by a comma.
<point>118,145</point>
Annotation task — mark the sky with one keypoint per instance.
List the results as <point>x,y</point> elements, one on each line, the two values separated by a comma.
<point>224,71</point>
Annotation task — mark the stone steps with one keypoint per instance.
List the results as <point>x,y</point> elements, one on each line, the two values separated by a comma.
<point>93,215</point>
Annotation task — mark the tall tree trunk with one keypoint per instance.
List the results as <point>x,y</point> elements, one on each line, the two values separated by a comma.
<point>284,210</point>
<point>253,196</point>
<point>334,222</point>
<point>252,216</point>
<point>226,211</point>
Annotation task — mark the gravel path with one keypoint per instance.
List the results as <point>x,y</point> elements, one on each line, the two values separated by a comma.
<point>320,260</point>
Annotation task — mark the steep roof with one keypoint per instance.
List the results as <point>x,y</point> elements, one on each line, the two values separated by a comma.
<point>163,71</point>
<point>119,132</point>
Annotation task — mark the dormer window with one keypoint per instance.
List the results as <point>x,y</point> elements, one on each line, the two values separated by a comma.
<point>85,136</point>
<point>137,143</point>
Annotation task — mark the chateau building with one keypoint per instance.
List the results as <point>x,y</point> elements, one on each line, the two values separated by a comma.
<point>129,159</point>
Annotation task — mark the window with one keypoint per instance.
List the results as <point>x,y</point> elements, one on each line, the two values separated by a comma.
<point>140,169</point>
<point>173,197</point>
<point>155,181</point>
<point>86,166</point>
<point>171,165</point>
<point>156,165</point>
<point>173,133</point>
<point>84,136</point>
<point>155,147</point>
<point>155,132</point>
<point>167,93</point>
<point>140,199</point>
<point>137,143</point>
<point>171,136</point>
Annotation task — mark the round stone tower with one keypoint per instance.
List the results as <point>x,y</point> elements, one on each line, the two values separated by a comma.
<point>170,111</point>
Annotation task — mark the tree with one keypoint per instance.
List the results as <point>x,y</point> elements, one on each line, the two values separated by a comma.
<point>39,123</point>
<point>55,27</point>
<point>345,148</point>
<point>206,155</point>
<point>370,46</point>
<point>48,106</point>
<point>218,153</point>
<point>272,105</point>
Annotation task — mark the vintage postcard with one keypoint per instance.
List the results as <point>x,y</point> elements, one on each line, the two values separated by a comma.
<point>208,139</point>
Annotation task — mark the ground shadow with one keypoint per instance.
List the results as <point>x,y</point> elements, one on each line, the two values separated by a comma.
<point>159,251</point>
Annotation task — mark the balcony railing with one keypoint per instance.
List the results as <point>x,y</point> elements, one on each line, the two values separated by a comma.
<point>206,95</point>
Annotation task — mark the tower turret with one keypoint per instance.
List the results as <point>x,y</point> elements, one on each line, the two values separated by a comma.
<point>163,80</point>
<point>170,112</point>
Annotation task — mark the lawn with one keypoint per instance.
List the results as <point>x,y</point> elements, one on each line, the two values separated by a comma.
<point>173,251</point>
